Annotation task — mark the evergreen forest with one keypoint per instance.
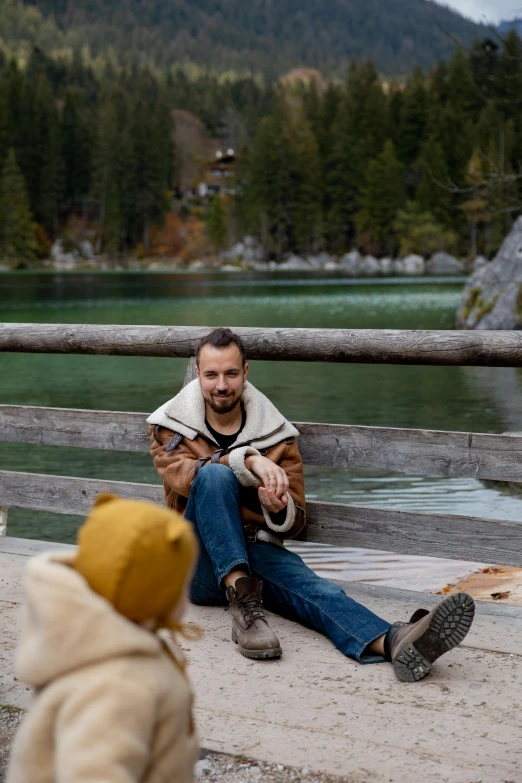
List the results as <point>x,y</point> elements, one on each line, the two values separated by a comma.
<point>260,36</point>
<point>431,163</point>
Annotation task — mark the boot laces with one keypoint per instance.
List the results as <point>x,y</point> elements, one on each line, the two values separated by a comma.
<point>252,609</point>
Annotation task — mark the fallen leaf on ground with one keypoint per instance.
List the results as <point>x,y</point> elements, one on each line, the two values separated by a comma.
<point>445,590</point>
<point>498,596</point>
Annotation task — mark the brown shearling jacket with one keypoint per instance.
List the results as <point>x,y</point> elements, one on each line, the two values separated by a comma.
<point>181,445</point>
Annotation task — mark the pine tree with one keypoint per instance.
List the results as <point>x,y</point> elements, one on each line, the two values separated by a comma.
<point>456,135</point>
<point>51,184</point>
<point>76,139</point>
<point>39,148</point>
<point>484,63</point>
<point>358,134</point>
<point>434,191</point>
<point>268,182</point>
<point>151,133</point>
<point>507,82</point>
<point>412,118</point>
<point>382,197</point>
<point>306,188</point>
<point>17,237</point>
<point>463,94</point>
<point>5,125</point>
<point>105,172</point>
<point>217,224</point>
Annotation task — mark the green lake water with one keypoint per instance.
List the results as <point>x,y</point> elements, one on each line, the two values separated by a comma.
<point>446,398</point>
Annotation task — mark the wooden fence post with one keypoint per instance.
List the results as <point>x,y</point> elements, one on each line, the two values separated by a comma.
<point>190,374</point>
<point>3,521</point>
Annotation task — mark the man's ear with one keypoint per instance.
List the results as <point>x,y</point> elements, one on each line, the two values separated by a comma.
<point>245,371</point>
<point>197,372</point>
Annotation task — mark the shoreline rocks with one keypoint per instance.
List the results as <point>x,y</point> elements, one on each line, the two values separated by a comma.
<point>444,264</point>
<point>249,254</point>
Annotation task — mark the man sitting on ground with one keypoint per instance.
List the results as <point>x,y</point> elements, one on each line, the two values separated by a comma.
<point>230,463</point>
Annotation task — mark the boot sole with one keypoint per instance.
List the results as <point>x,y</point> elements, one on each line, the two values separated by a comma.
<point>447,627</point>
<point>273,652</point>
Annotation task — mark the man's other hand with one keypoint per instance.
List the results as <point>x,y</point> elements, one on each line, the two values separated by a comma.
<point>272,477</point>
<point>270,501</point>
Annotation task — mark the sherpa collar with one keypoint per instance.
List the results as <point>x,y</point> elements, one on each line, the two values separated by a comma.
<point>185,413</point>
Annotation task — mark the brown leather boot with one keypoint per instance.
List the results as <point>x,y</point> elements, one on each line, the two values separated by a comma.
<point>413,647</point>
<point>250,629</point>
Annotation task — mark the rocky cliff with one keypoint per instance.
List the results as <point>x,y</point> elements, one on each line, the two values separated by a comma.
<point>492,297</point>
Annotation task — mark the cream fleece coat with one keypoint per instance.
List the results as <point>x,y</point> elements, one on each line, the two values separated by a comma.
<point>110,705</point>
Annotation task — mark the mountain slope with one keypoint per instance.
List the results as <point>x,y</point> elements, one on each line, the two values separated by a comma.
<point>513,24</point>
<point>267,35</point>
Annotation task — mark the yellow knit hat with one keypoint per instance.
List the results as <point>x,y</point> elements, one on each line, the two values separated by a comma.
<point>136,555</point>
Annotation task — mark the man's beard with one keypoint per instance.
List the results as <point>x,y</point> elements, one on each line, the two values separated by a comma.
<point>227,406</point>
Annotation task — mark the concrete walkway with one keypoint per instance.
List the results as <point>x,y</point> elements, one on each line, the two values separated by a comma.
<point>316,709</point>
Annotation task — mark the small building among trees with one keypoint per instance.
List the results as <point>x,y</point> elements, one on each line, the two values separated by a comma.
<point>219,175</point>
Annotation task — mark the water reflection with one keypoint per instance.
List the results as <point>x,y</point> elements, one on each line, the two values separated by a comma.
<point>409,572</point>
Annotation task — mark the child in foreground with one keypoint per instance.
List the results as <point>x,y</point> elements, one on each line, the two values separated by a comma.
<point>112,701</point>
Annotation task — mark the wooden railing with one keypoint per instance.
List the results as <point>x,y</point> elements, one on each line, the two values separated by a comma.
<point>450,454</point>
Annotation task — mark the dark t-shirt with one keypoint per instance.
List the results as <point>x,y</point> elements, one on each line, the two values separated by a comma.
<point>225,441</point>
<point>249,496</point>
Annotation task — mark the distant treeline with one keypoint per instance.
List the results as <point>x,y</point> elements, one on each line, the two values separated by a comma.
<point>262,36</point>
<point>100,150</point>
<point>432,164</point>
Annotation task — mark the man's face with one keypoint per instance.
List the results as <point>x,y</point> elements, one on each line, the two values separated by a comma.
<point>222,376</point>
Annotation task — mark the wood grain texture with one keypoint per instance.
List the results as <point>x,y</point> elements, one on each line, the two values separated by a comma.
<point>64,494</point>
<point>89,429</point>
<point>411,532</point>
<point>432,535</point>
<point>378,346</point>
<point>415,452</point>
<point>190,373</point>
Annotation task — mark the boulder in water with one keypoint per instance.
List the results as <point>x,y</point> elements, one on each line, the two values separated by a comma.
<point>320,261</point>
<point>351,262</point>
<point>63,261</point>
<point>492,297</point>
<point>478,263</point>
<point>197,264</point>
<point>253,251</point>
<point>369,266</point>
<point>331,266</point>
<point>386,266</point>
<point>444,264</point>
<point>87,250</point>
<point>294,262</point>
<point>413,265</point>
<point>235,254</point>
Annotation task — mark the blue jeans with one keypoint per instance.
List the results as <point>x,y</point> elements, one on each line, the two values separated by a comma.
<point>290,588</point>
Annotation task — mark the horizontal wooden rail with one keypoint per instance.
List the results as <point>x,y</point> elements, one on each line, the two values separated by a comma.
<point>377,346</point>
<point>416,452</point>
<point>435,535</point>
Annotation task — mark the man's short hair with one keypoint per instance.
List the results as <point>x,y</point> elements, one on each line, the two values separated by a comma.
<point>221,338</point>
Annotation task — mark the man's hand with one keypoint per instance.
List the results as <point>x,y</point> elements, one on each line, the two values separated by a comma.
<point>270,502</point>
<point>272,494</point>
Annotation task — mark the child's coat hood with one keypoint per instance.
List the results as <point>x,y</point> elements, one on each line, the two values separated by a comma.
<point>67,626</point>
